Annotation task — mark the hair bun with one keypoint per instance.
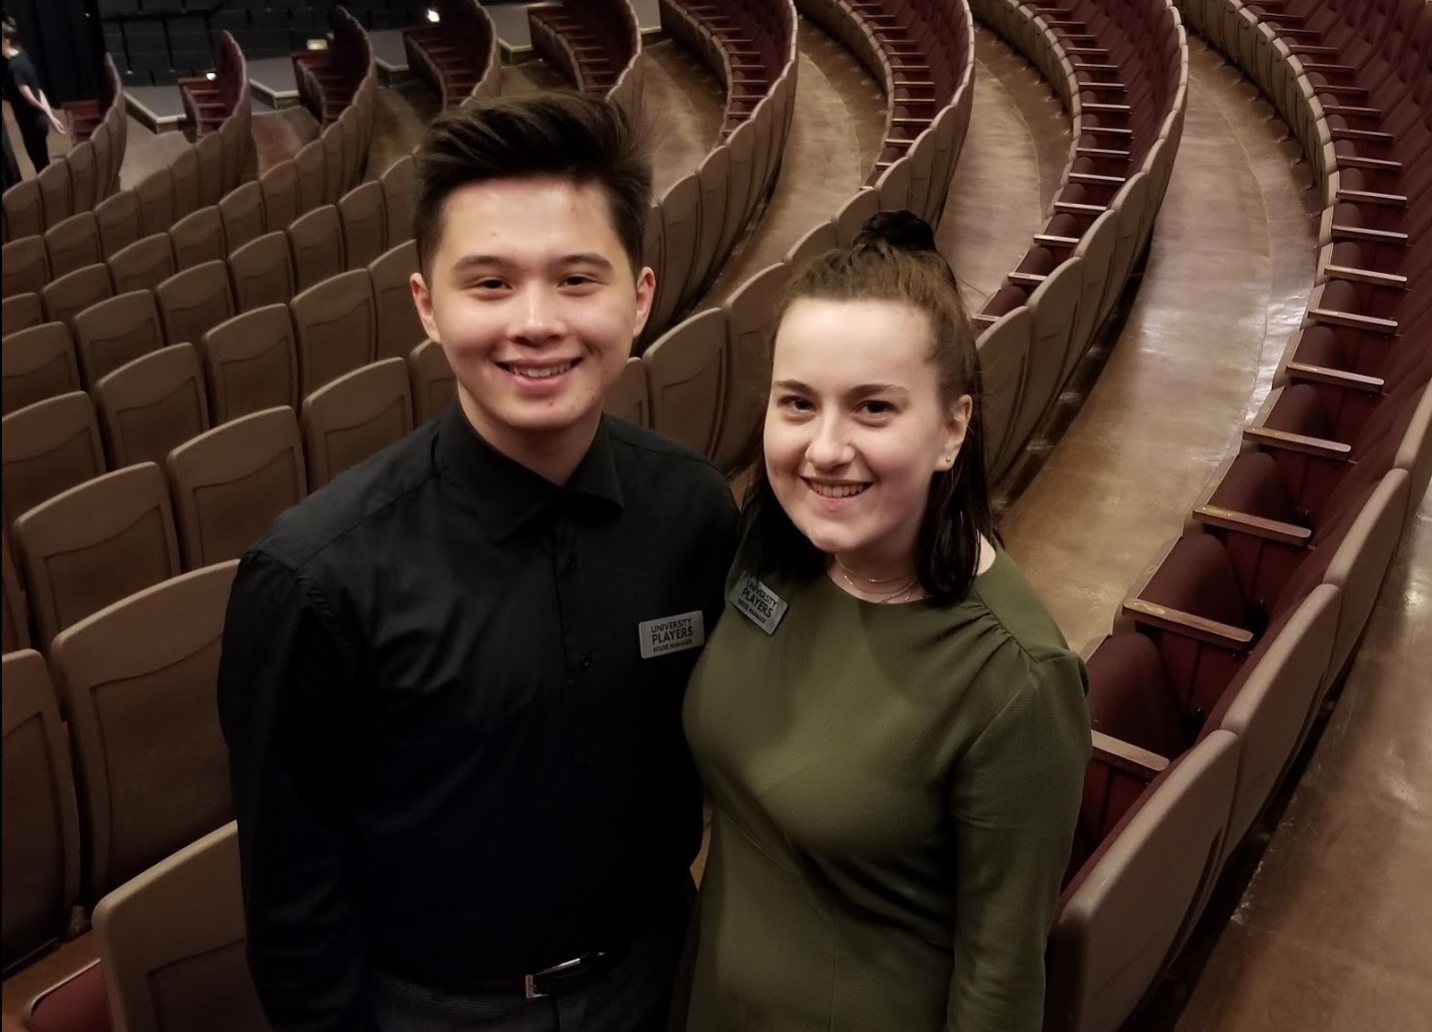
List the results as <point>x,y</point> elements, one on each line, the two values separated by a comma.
<point>902,230</point>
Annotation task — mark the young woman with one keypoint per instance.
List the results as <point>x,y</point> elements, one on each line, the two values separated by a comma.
<point>890,724</point>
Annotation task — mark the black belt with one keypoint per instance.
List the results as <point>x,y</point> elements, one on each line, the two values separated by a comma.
<point>550,981</point>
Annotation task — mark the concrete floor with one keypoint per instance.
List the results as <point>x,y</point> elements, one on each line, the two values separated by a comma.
<point>1334,931</point>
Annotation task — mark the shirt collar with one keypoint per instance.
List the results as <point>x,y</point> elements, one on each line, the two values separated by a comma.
<point>506,494</point>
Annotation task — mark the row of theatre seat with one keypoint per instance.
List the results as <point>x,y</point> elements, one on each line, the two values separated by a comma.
<point>329,80</point>
<point>116,533</point>
<point>1226,648</point>
<point>594,43</point>
<point>123,350</point>
<point>704,375</point>
<point>84,176</point>
<point>132,801</point>
<point>459,56</point>
<point>751,46</point>
<point>1120,67</point>
<point>197,177</point>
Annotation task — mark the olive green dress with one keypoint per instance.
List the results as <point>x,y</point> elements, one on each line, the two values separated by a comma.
<point>895,789</point>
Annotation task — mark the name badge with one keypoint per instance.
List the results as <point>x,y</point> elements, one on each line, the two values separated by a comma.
<point>762,606</point>
<point>672,634</point>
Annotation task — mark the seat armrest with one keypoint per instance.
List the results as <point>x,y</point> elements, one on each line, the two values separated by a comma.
<point>1270,530</point>
<point>1318,447</point>
<point>1126,757</point>
<point>1335,378</point>
<point>1376,279</point>
<point>1211,632</point>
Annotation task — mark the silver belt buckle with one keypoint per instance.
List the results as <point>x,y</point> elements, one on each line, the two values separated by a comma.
<point>529,983</point>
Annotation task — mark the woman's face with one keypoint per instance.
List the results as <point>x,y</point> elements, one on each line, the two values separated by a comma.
<point>855,429</point>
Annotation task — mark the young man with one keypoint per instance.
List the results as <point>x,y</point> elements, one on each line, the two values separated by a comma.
<point>31,107</point>
<point>451,681</point>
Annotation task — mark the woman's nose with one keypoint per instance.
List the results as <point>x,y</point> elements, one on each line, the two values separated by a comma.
<point>830,445</point>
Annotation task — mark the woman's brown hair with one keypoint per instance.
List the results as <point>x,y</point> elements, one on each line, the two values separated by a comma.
<point>894,258</point>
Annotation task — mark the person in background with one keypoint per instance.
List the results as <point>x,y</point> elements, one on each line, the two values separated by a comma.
<point>33,114</point>
<point>451,680</point>
<point>891,726</point>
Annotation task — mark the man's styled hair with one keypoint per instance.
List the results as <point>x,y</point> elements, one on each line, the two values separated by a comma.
<point>574,136</point>
<point>894,258</point>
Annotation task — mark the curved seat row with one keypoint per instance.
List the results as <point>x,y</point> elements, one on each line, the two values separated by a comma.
<point>751,44</point>
<point>703,379</point>
<point>922,53</point>
<point>83,177</point>
<point>329,80</point>
<point>1120,67</point>
<point>197,177</point>
<point>1226,648</point>
<point>209,100</point>
<point>459,56</point>
<point>594,43</point>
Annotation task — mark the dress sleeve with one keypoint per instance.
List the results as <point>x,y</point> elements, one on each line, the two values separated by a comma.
<point>283,676</point>
<point>1014,800</point>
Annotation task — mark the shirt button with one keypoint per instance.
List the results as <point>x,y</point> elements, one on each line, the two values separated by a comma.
<point>570,566</point>
<point>585,662</point>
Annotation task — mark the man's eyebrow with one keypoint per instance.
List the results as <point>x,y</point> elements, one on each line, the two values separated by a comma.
<point>494,261</point>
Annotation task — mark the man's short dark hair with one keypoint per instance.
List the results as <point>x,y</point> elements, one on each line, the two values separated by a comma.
<point>574,136</point>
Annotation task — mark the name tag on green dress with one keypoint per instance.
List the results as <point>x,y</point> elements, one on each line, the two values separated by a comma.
<point>672,634</point>
<point>759,604</point>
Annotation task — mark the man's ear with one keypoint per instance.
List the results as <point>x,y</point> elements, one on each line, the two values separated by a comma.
<point>645,295</point>
<point>423,302</point>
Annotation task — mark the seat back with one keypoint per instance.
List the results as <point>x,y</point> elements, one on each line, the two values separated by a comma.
<point>279,186</point>
<point>397,184</point>
<point>364,234</point>
<point>118,219</point>
<point>21,311</point>
<point>15,622</point>
<point>686,376</point>
<point>751,330</point>
<point>231,482</point>
<point>628,398</point>
<point>47,448</point>
<point>194,301</point>
<point>95,543</point>
<point>251,363</point>
<point>434,385</point>
<point>242,212</point>
<point>151,405</point>
<point>1004,367</point>
<point>144,264</point>
<point>335,329</point>
<point>317,243</point>
<point>355,416</point>
<point>172,943</point>
<point>38,363</point>
<point>116,331</point>
<point>262,272</point>
<point>73,292</point>
<point>73,243</point>
<point>138,681</point>
<point>199,237</point>
<point>24,266</point>
<point>399,329</point>
<point>1130,905</point>
<point>41,846</point>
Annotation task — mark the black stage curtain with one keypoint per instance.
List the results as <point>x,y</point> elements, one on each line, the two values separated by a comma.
<point>60,36</point>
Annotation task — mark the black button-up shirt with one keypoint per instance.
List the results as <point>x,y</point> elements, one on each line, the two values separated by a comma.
<point>450,759</point>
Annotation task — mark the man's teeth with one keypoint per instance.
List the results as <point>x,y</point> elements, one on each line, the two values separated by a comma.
<point>837,490</point>
<point>533,373</point>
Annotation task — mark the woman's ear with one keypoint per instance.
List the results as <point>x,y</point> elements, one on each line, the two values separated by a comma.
<point>956,427</point>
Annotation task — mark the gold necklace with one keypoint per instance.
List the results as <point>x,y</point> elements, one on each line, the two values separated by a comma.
<point>898,595</point>
<point>868,580</point>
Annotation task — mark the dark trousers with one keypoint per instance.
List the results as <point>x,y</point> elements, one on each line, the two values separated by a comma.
<point>634,995</point>
<point>35,132</point>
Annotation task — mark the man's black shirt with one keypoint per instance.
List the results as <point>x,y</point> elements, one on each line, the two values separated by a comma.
<point>20,71</point>
<point>449,758</point>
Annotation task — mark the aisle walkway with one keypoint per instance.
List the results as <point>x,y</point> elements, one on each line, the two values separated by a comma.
<point>1228,277</point>
<point>835,137</point>
<point>1008,170</point>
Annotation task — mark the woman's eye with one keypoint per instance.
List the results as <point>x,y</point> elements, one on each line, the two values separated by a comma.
<point>878,408</point>
<point>795,403</point>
